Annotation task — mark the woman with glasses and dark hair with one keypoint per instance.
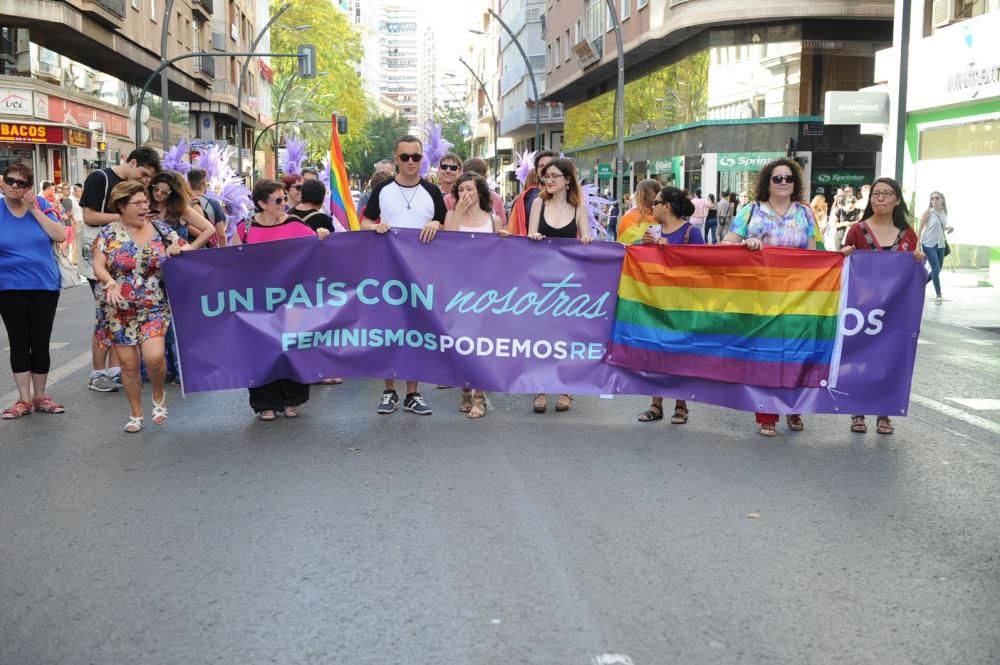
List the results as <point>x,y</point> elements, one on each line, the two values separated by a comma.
<point>270,224</point>
<point>934,232</point>
<point>885,226</point>
<point>29,287</point>
<point>670,207</point>
<point>170,200</point>
<point>777,218</point>
<point>128,263</point>
<point>558,212</point>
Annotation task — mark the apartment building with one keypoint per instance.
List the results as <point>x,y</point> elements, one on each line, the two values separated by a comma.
<point>714,88</point>
<point>72,68</point>
<point>407,63</point>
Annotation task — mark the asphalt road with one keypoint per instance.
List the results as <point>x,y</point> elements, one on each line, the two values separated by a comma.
<point>577,538</point>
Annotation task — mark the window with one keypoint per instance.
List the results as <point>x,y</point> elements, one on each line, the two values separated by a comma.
<point>196,35</point>
<point>626,8</point>
<point>566,44</point>
<point>558,51</point>
<point>578,31</point>
<point>592,13</point>
<point>548,56</point>
<point>152,11</point>
<point>641,3</point>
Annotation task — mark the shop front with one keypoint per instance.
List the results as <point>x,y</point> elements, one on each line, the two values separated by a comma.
<point>738,170</point>
<point>48,149</point>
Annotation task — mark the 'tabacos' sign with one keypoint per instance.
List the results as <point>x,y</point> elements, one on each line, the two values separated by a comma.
<point>745,161</point>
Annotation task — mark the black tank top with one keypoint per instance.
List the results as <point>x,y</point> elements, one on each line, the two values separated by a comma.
<point>568,231</point>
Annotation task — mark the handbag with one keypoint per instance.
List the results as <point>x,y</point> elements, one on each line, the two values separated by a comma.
<point>68,276</point>
<point>947,247</point>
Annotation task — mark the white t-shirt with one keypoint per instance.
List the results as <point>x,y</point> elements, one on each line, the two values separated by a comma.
<point>406,207</point>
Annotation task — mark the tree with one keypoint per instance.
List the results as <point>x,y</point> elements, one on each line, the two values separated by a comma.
<point>338,51</point>
<point>454,124</point>
<point>381,133</point>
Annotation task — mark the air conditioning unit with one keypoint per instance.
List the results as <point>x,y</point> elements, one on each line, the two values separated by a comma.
<point>942,12</point>
<point>586,53</point>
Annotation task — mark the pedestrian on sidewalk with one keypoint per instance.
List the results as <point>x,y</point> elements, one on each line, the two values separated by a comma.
<point>29,287</point>
<point>934,232</point>
<point>885,226</point>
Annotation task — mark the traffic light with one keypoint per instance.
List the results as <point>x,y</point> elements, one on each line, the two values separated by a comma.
<point>307,61</point>
<point>341,124</point>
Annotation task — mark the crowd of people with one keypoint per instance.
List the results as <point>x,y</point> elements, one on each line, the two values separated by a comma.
<point>124,221</point>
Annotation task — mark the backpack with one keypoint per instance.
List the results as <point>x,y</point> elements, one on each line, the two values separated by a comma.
<point>213,212</point>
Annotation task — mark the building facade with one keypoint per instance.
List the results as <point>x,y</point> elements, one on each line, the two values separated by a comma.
<point>79,65</point>
<point>407,62</point>
<point>952,137</point>
<point>708,99</point>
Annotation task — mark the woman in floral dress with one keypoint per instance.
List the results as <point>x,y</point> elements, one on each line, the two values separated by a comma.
<point>128,262</point>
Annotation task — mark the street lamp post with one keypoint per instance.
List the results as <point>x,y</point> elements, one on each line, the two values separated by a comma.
<point>164,75</point>
<point>496,127</point>
<point>619,109</point>
<point>239,88</point>
<point>531,74</point>
<point>274,125</point>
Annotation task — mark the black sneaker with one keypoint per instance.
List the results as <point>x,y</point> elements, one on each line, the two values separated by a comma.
<point>414,403</point>
<point>389,401</point>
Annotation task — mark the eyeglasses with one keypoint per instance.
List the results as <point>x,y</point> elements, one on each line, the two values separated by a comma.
<point>778,179</point>
<point>278,201</point>
<point>658,202</point>
<point>553,176</point>
<point>448,167</point>
<point>14,182</point>
<point>295,187</point>
<point>887,194</point>
<point>144,202</point>
<point>405,157</point>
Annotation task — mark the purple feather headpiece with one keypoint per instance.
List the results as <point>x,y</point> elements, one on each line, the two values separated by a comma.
<point>224,186</point>
<point>174,159</point>
<point>595,204</point>
<point>295,157</point>
<point>525,164</point>
<point>437,147</point>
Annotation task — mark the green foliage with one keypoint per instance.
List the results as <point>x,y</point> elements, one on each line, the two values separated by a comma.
<point>378,143</point>
<point>338,50</point>
<point>674,95</point>
<point>452,122</point>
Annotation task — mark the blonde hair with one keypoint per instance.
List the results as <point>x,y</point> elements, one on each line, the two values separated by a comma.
<point>645,194</point>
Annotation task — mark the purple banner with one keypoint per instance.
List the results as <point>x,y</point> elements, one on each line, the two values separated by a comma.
<point>500,314</point>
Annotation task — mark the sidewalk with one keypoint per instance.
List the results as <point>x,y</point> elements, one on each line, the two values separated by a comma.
<point>966,303</point>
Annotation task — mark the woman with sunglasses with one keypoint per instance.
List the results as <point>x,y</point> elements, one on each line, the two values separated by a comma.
<point>777,218</point>
<point>934,232</point>
<point>170,201</point>
<point>670,208</point>
<point>558,212</point>
<point>270,224</point>
<point>293,190</point>
<point>128,262</point>
<point>29,287</point>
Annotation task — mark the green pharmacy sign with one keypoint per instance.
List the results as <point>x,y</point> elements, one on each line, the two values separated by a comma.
<point>842,177</point>
<point>742,162</point>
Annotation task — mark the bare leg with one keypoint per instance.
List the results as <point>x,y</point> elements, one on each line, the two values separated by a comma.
<point>38,382</point>
<point>128,358</point>
<point>23,382</point>
<point>154,353</point>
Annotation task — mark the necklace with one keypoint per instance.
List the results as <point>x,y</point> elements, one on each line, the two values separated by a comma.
<point>412,196</point>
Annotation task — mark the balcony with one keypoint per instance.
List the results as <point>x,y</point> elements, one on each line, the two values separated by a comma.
<point>205,67</point>
<point>203,7</point>
<point>525,116</point>
<point>108,12</point>
<point>518,71</point>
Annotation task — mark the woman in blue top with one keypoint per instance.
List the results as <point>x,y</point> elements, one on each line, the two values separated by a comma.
<point>29,287</point>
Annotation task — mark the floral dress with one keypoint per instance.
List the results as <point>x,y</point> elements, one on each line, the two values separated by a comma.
<point>793,229</point>
<point>145,313</point>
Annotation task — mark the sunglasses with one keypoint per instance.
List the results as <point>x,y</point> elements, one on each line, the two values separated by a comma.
<point>448,167</point>
<point>14,182</point>
<point>405,157</point>
<point>778,179</point>
<point>278,201</point>
<point>658,202</point>
<point>166,191</point>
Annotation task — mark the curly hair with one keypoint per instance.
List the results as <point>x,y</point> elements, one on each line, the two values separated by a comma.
<point>763,191</point>
<point>180,194</point>
<point>482,189</point>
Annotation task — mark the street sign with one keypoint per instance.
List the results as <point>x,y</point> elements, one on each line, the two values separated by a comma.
<point>856,108</point>
<point>851,177</point>
<point>604,171</point>
<point>745,162</point>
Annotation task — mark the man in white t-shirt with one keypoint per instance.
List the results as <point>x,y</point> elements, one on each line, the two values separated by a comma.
<point>406,202</point>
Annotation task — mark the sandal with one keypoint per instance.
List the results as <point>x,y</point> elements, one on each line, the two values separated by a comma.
<point>478,409</point>
<point>267,415</point>
<point>540,403</point>
<point>160,411</point>
<point>20,408</point>
<point>291,412</point>
<point>858,424</point>
<point>680,416</point>
<point>465,406</point>
<point>44,404</point>
<point>884,425</point>
<point>562,404</point>
<point>134,424</point>
<point>649,415</point>
<point>767,429</point>
<point>795,423</point>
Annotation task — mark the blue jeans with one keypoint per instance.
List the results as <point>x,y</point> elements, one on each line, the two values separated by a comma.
<point>711,231</point>
<point>935,256</point>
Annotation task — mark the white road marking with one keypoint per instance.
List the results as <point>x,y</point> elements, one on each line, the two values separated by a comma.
<point>56,375</point>
<point>983,342</point>
<point>925,341</point>
<point>977,404</point>
<point>52,346</point>
<point>957,414</point>
<point>612,659</point>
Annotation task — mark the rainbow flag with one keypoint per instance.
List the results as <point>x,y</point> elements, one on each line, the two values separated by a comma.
<point>723,313</point>
<point>341,203</point>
